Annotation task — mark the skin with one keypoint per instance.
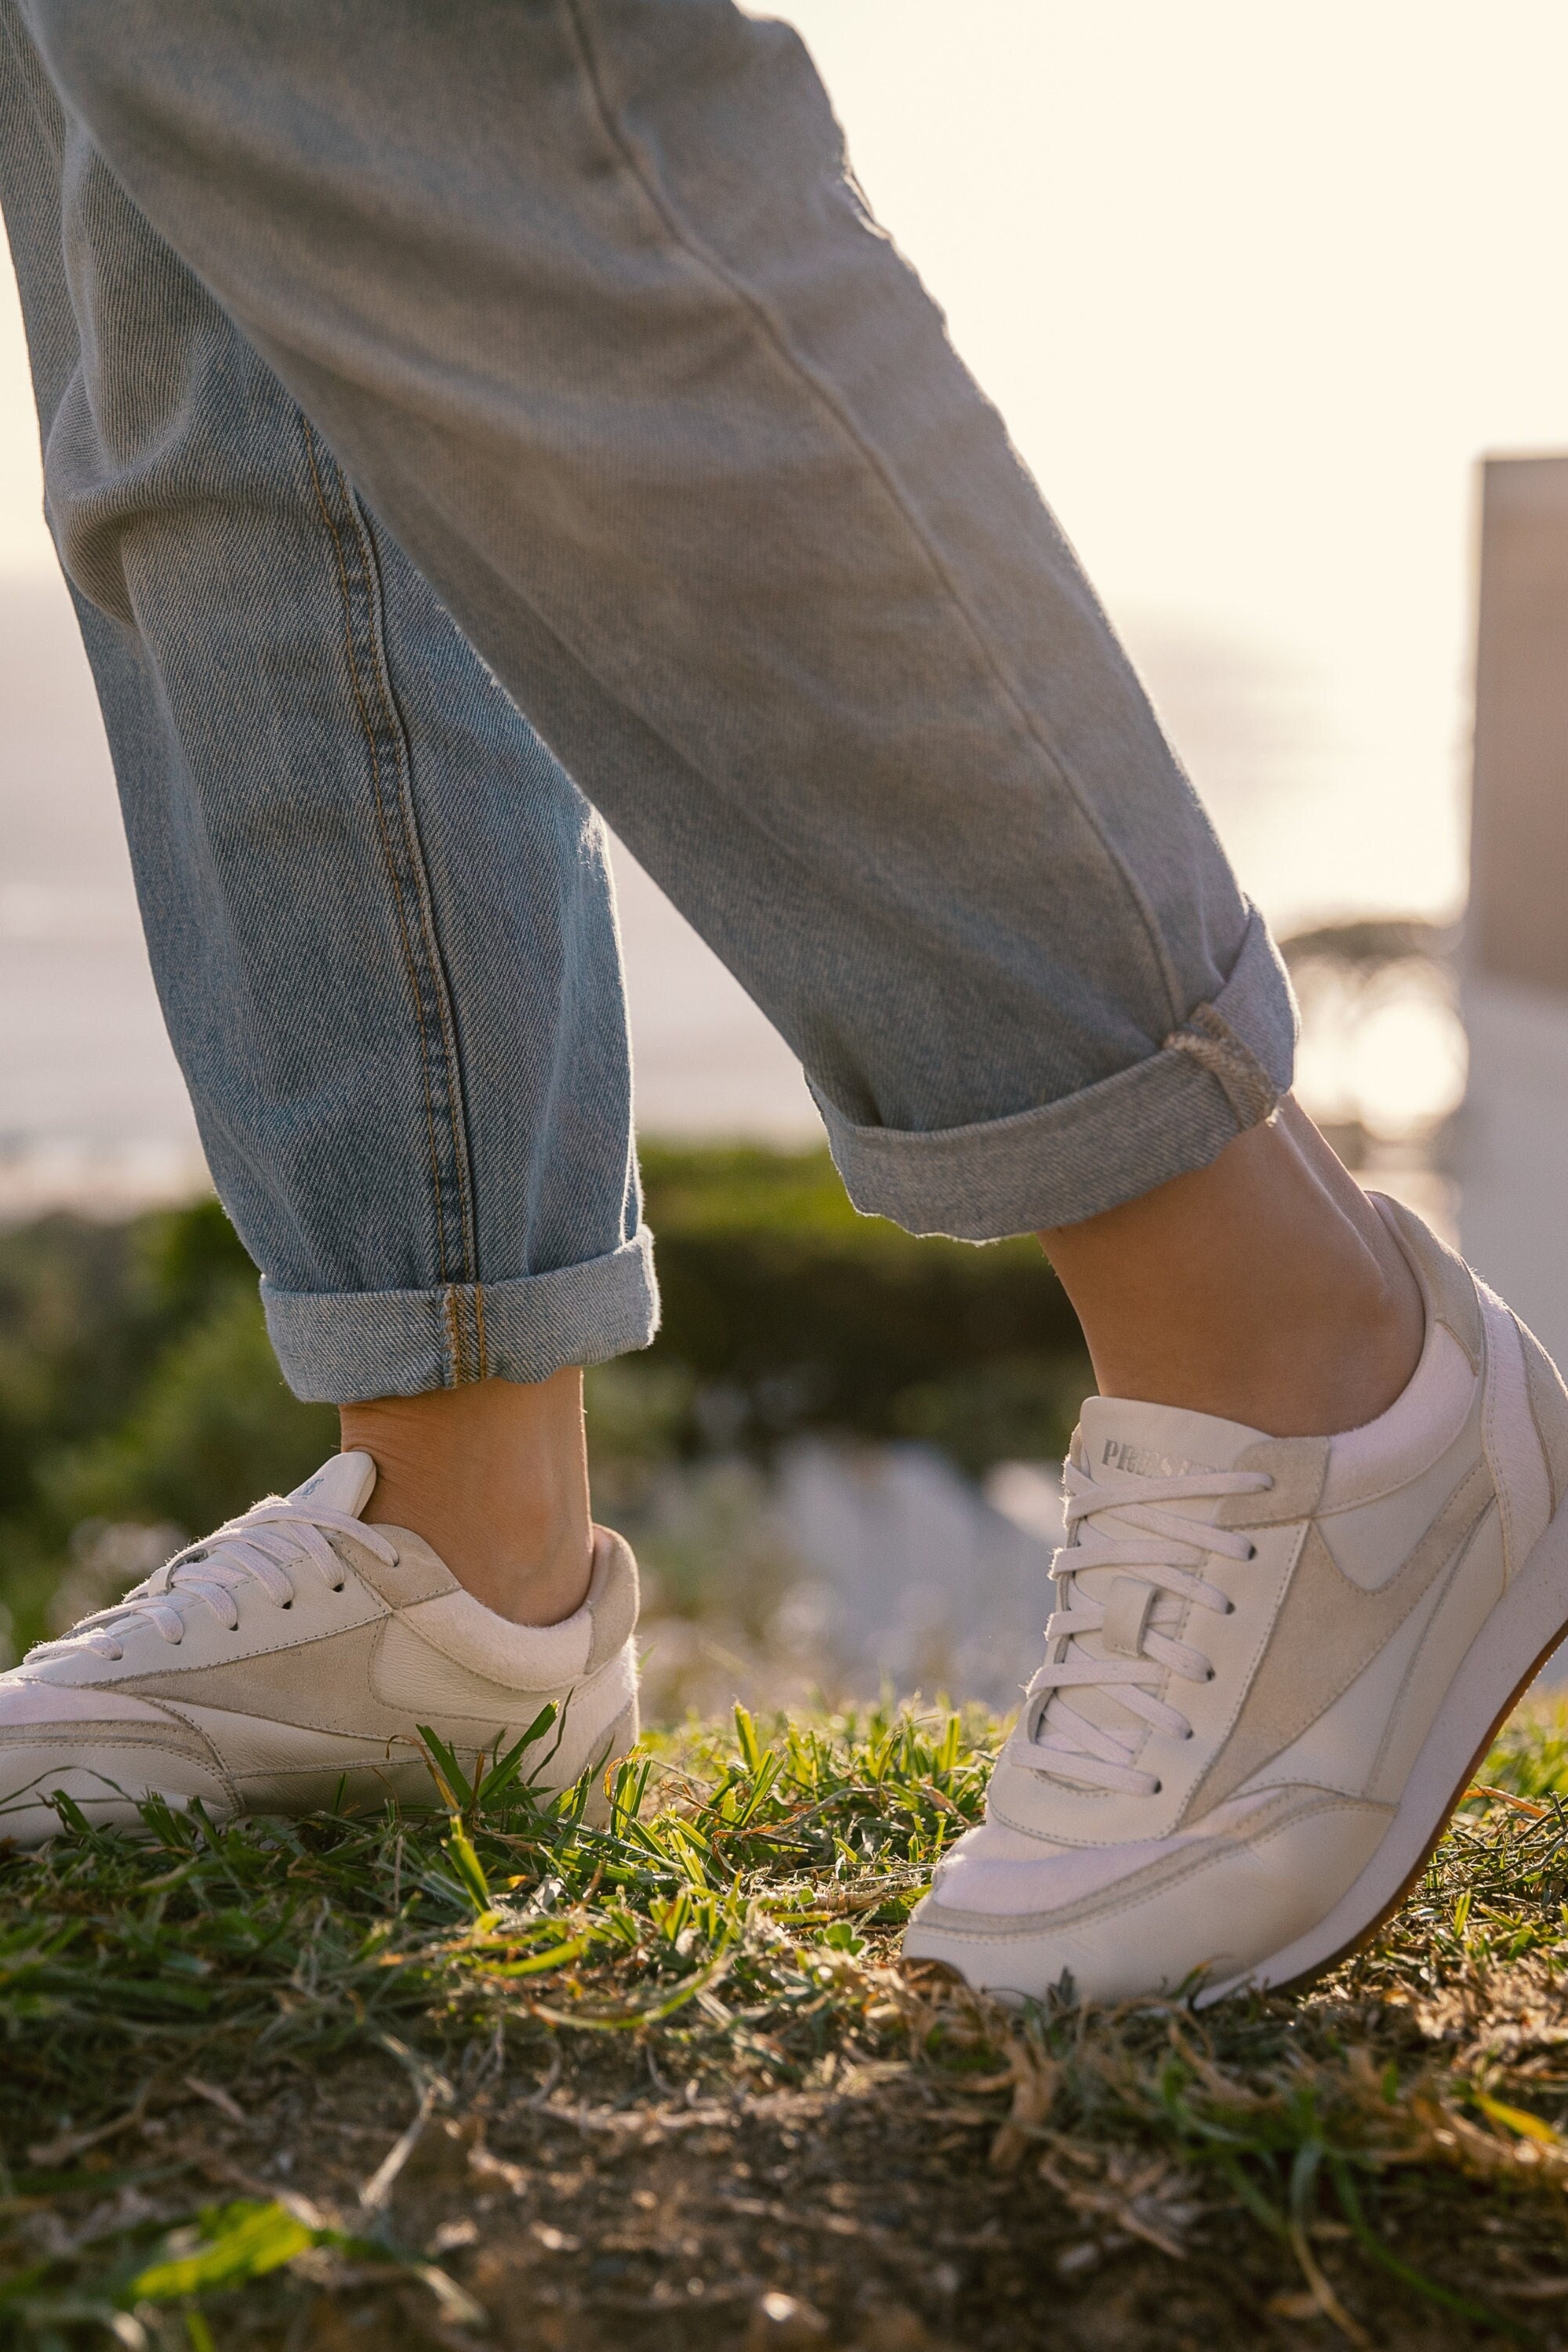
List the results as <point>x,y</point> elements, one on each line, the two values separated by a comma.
<point>494,1476</point>
<point>1264,1289</point>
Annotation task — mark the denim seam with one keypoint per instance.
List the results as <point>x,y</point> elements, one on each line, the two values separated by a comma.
<point>391,732</point>
<point>451,1055</point>
<point>832,402</point>
<point>452,1323</point>
<point>388,860</point>
<point>1213,1044</point>
<point>466,1297</point>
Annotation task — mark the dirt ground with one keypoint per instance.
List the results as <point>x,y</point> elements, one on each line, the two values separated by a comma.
<point>871,2215</point>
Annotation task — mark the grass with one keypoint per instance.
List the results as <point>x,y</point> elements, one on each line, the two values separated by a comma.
<point>506,2075</point>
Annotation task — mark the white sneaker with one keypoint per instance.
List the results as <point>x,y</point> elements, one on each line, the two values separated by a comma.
<point>1274,1667</point>
<point>288,1662</point>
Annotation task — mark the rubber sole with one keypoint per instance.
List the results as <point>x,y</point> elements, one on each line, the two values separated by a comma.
<point>1501,1663</point>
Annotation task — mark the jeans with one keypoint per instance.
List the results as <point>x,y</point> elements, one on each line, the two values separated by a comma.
<point>459,421</point>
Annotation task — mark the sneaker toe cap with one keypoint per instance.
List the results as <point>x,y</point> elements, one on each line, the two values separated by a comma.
<point>29,1703</point>
<point>1209,1907</point>
<point>104,1750</point>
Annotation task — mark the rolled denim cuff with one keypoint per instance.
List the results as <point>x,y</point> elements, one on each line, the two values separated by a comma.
<point>1222,1071</point>
<point>343,1347</point>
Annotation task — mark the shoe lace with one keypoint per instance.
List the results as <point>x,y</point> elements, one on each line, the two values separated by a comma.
<point>1126,1522</point>
<point>259,1548</point>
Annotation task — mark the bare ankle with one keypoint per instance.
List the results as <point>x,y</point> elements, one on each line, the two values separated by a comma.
<point>1265,1288</point>
<point>494,1476</point>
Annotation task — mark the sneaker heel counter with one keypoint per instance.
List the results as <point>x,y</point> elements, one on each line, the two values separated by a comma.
<point>613,1598</point>
<point>1525,1404</point>
<point>1548,1409</point>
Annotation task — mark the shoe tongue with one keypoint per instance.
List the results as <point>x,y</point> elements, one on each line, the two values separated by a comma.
<point>1124,1439</point>
<point>1118,1438</point>
<point>343,1482</point>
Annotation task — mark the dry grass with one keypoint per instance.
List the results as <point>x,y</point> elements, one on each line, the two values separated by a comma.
<point>501,2077</point>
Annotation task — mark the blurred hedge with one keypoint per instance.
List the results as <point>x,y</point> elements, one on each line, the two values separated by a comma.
<point>136,1383</point>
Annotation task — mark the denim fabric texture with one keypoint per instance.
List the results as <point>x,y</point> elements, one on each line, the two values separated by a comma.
<point>379,912</point>
<point>573,310</point>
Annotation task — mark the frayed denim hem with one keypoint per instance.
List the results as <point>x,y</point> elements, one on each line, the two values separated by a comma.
<point>343,1347</point>
<point>1221,1072</point>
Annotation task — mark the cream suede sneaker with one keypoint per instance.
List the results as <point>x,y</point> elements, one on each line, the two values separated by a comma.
<point>1274,1665</point>
<point>288,1662</point>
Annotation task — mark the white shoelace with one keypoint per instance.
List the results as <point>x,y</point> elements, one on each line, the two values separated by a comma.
<point>1118,1522</point>
<point>255,1549</point>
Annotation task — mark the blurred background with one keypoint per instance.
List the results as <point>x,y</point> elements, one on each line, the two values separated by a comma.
<point>1257,291</point>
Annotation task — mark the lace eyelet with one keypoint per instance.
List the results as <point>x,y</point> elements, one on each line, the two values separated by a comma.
<point>1252,1551</point>
<point>1229,1609</point>
<point>1209,1676</point>
<point>1157,1788</point>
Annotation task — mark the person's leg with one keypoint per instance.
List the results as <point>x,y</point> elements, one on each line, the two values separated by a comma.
<point>581,297</point>
<point>379,912</point>
<point>685,448</point>
<point>380,923</point>
<point>584,299</point>
<point>709,487</point>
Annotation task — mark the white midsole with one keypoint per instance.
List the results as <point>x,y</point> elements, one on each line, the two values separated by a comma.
<point>1518,1637</point>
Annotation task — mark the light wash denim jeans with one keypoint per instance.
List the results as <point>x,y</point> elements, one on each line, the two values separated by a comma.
<point>406,368</point>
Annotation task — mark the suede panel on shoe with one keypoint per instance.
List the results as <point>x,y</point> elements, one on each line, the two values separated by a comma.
<point>415,1574</point>
<point>321,1686</point>
<point>1327,1631</point>
<point>1296,1467</point>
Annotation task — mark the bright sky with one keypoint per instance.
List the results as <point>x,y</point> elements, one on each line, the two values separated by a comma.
<point>1254,286</point>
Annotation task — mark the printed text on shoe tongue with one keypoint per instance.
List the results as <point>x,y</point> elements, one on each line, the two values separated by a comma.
<point>1143,1461</point>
